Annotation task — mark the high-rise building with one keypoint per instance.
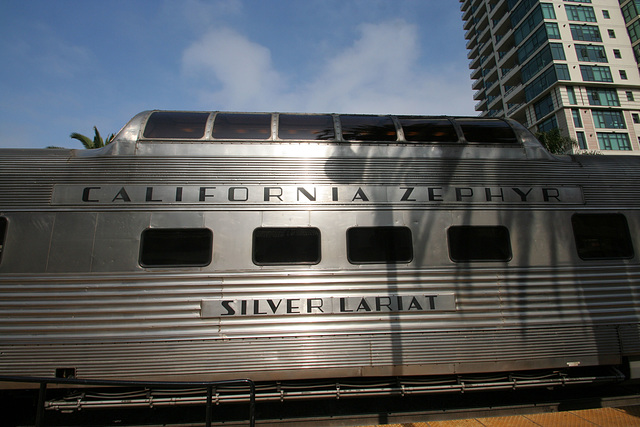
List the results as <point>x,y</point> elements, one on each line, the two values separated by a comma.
<point>567,64</point>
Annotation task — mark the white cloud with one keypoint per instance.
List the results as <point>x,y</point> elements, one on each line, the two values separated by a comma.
<point>380,72</point>
<point>241,69</point>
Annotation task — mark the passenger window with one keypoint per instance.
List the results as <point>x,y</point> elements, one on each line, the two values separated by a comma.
<point>176,124</point>
<point>3,233</point>
<point>387,245</point>
<point>428,129</point>
<point>306,127</point>
<point>487,130</point>
<point>602,236</point>
<point>176,247</point>
<point>479,243</point>
<point>286,246</point>
<point>368,128</point>
<point>242,126</point>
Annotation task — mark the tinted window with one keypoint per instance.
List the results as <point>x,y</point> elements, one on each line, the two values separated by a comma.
<point>479,243</point>
<point>487,130</point>
<point>174,247</point>
<point>3,233</point>
<point>295,126</point>
<point>379,245</point>
<point>602,236</point>
<point>242,126</point>
<point>286,246</point>
<point>428,130</point>
<point>175,124</point>
<point>368,128</point>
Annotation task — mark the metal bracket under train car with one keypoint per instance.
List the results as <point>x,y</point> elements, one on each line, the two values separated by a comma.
<point>336,389</point>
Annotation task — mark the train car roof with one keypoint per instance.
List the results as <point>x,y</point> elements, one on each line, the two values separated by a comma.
<point>187,133</point>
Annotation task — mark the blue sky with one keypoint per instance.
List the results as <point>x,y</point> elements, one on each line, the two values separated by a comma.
<point>69,65</point>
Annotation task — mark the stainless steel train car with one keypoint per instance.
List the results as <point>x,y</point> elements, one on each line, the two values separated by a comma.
<point>272,246</point>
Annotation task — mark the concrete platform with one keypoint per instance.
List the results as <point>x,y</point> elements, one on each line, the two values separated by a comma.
<point>602,417</point>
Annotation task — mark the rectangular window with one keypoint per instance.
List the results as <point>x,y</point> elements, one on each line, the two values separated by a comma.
<point>582,141</point>
<point>286,245</point>
<point>591,53</point>
<point>580,13</point>
<point>386,245</point>
<point>608,119</point>
<point>242,126</point>
<point>614,141</point>
<point>3,234</point>
<point>617,54</point>
<point>553,31</point>
<point>176,247</point>
<point>602,236</point>
<point>612,34</point>
<point>600,96</point>
<point>305,127</point>
<point>543,107</point>
<point>605,14</point>
<point>571,93</point>
<point>623,74</point>
<point>630,10</point>
<point>587,33</point>
<point>428,129</point>
<point>635,117</point>
<point>577,121</point>
<point>630,96</point>
<point>593,73</point>
<point>487,131</point>
<point>479,243</point>
<point>176,124</point>
<point>367,128</point>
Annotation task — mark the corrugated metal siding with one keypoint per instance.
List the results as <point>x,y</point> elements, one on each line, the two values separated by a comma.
<point>27,180</point>
<point>145,325</point>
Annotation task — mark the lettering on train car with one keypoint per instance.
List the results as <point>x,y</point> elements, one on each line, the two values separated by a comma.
<point>221,307</point>
<point>309,194</point>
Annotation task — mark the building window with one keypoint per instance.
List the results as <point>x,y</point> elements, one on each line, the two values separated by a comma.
<point>605,14</point>
<point>587,33</point>
<point>608,119</point>
<point>546,79</point>
<point>591,53</point>
<point>617,54</point>
<point>594,73</point>
<point>553,31</point>
<point>577,121</point>
<point>549,124</point>
<point>176,247</point>
<point>543,107</point>
<point>634,31</point>
<point>612,34</point>
<point>614,141</point>
<point>582,141</point>
<point>571,93</point>
<point>580,13</point>
<point>547,11</point>
<point>630,96</point>
<point>602,236</point>
<point>479,243</point>
<point>630,10</point>
<point>636,118</point>
<point>623,74</point>
<point>600,96</point>
<point>286,245</point>
<point>386,245</point>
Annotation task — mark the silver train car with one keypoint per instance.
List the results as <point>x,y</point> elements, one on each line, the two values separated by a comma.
<point>203,246</point>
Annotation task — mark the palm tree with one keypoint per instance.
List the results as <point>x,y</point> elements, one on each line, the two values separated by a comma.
<point>97,139</point>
